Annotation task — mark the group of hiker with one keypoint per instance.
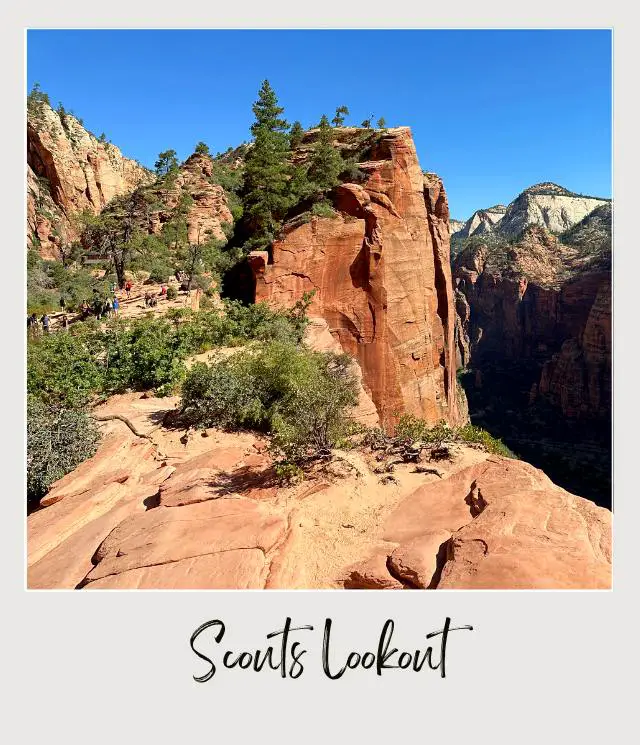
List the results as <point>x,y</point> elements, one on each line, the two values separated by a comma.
<point>150,300</point>
<point>99,306</point>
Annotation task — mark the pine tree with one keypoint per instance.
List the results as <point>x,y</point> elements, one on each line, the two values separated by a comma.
<point>382,124</point>
<point>326,161</point>
<point>295,135</point>
<point>166,163</point>
<point>266,170</point>
<point>367,122</point>
<point>202,148</point>
<point>338,119</point>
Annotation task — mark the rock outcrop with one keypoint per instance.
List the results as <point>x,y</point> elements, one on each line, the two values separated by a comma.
<point>482,221</point>
<point>544,205</point>
<point>203,511</point>
<point>208,211</point>
<point>69,170</point>
<point>381,274</point>
<point>549,206</point>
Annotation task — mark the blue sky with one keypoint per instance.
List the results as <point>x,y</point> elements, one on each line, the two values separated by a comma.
<point>492,112</point>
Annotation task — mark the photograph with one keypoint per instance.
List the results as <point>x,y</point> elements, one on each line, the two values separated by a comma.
<point>318,309</point>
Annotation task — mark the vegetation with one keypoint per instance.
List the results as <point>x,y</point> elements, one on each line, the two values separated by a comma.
<point>300,397</point>
<point>58,440</point>
<point>414,439</point>
<point>338,119</point>
<point>326,161</point>
<point>202,148</point>
<point>266,171</point>
<point>167,163</point>
<point>295,135</point>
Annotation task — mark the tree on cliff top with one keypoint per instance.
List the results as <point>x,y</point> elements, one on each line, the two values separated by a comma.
<point>326,161</point>
<point>295,135</point>
<point>166,163</point>
<point>338,119</point>
<point>202,148</point>
<point>266,170</point>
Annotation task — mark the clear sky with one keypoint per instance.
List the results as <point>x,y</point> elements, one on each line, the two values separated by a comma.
<point>492,112</point>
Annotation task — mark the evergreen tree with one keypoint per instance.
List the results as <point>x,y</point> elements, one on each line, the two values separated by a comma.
<point>338,119</point>
<point>295,135</point>
<point>202,148</point>
<point>267,170</point>
<point>326,161</point>
<point>367,122</point>
<point>166,163</point>
<point>381,123</point>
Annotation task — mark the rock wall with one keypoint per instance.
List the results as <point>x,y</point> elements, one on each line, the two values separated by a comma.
<point>528,310</point>
<point>68,171</point>
<point>380,270</point>
<point>209,210</point>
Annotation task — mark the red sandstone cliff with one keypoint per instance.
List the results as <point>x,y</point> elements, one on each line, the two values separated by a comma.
<point>68,171</point>
<point>380,269</point>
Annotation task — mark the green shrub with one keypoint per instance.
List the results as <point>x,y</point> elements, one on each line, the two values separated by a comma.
<point>471,433</point>
<point>172,293</point>
<point>301,397</point>
<point>323,209</point>
<point>58,440</point>
<point>64,369</point>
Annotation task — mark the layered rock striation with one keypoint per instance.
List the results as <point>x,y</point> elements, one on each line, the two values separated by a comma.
<point>546,300</point>
<point>381,275</point>
<point>204,511</point>
<point>69,171</point>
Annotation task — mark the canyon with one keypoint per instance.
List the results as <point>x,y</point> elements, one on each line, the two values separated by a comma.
<point>203,509</point>
<point>534,335</point>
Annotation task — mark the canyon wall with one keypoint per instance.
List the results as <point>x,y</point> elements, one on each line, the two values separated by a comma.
<point>381,275</point>
<point>69,170</point>
<point>545,301</point>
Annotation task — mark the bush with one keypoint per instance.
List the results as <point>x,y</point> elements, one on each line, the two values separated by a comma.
<point>471,433</point>
<point>64,369</point>
<point>301,397</point>
<point>172,293</point>
<point>58,440</point>
<point>323,209</point>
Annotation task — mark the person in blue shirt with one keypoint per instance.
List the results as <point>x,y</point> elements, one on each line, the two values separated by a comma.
<point>116,306</point>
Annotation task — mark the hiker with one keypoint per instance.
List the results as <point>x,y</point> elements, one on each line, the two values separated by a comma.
<point>146,299</point>
<point>127,287</point>
<point>62,303</point>
<point>108,306</point>
<point>97,308</point>
<point>116,306</point>
<point>113,288</point>
<point>163,290</point>
<point>30,325</point>
<point>65,322</point>
<point>34,324</point>
<point>45,323</point>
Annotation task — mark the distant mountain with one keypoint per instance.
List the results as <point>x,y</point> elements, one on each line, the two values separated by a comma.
<point>482,221</point>
<point>547,205</point>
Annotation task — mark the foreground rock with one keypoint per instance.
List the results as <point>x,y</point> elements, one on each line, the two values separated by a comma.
<point>208,513</point>
<point>380,270</point>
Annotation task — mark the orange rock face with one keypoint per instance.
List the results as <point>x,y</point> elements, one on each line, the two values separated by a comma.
<point>380,269</point>
<point>209,514</point>
<point>209,210</point>
<point>68,171</point>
